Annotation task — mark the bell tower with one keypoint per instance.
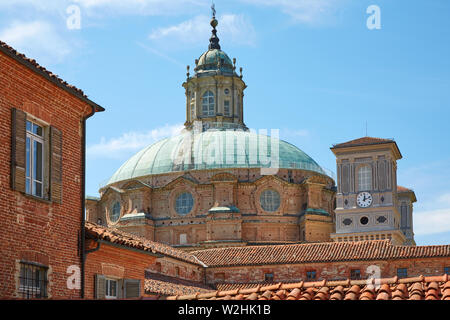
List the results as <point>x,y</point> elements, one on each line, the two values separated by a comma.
<point>366,199</point>
<point>215,93</point>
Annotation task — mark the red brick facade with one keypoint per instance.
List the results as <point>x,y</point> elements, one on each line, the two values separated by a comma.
<point>115,255</point>
<point>115,262</point>
<point>42,231</point>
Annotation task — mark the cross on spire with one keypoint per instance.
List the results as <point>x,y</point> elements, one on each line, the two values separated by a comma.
<point>213,9</point>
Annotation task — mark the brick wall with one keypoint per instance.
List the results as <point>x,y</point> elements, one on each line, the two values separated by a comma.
<point>116,263</point>
<point>35,230</point>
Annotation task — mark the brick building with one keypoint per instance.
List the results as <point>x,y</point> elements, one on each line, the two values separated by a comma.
<point>121,265</point>
<point>41,179</point>
<point>160,271</point>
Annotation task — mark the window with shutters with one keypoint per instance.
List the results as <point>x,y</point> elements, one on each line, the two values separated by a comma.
<point>112,288</point>
<point>36,157</point>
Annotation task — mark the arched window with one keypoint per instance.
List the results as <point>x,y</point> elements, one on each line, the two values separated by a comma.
<point>208,105</point>
<point>365,178</point>
<point>115,212</point>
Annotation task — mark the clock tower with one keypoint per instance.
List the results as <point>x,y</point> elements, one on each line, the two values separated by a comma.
<point>366,199</point>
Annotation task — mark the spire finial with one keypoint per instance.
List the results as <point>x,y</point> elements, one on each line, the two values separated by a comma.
<point>214,40</point>
<point>213,9</point>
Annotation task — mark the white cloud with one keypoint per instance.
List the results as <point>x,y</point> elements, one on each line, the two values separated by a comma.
<point>100,7</point>
<point>304,11</point>
<point>38,39</point>
<point>431,222</point>
<point>236,29</point>
<point>142,7</point>
<point>130,142</point>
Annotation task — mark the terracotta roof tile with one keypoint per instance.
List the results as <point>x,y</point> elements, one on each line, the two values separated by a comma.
<point>130,240</point>
<point>363,141</point>
<point>168,288</point>
<point>418,288</point>
<point>316,252</point>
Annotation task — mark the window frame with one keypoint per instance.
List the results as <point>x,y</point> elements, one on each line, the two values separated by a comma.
<point>355,274</point>
<point>111,214</point>
<point>188,205</point>
<point>309,273</point>
<point>108,282</point>
<point>226,108</point>
<point>266,200</point>
<point>269,277</point>
<point>402,273</point>
<point>365,178</point>
<point>447,270</point>
<point>30,174</point>
<point>208,106</point>
<point>33,291</point>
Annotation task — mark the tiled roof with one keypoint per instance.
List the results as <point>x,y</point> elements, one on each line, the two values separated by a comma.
<point>168,286</point>
<point>363,141</point>
<point>235,286</point>
<point>316,252</point>
<point>129,240</point>
<point>418,288</point>
<point>33,65</point>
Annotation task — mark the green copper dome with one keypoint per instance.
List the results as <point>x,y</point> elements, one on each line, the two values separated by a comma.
<point>213,60</point>
<point>214,149</point>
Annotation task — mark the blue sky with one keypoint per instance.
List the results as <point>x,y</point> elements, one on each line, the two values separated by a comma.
<point>313,69</point>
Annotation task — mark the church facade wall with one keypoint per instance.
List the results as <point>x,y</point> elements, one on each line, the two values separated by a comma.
<point>210,189</point>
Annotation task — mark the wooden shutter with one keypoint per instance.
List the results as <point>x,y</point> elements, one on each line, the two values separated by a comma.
<point>132,288</point>
<point>55,165</point>
<point>120,289</point>
<point>100,286</point>
<point>18,149</point>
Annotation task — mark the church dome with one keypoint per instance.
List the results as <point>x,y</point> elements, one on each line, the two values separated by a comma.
<point>211,150</point>
<point>214,59</point>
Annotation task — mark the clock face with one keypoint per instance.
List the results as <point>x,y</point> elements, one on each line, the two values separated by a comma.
<point>364,199</point>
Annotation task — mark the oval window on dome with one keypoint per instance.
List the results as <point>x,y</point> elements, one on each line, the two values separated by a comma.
<point>184,203</point>
<point>115,212</point>
<point>270,200</point>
